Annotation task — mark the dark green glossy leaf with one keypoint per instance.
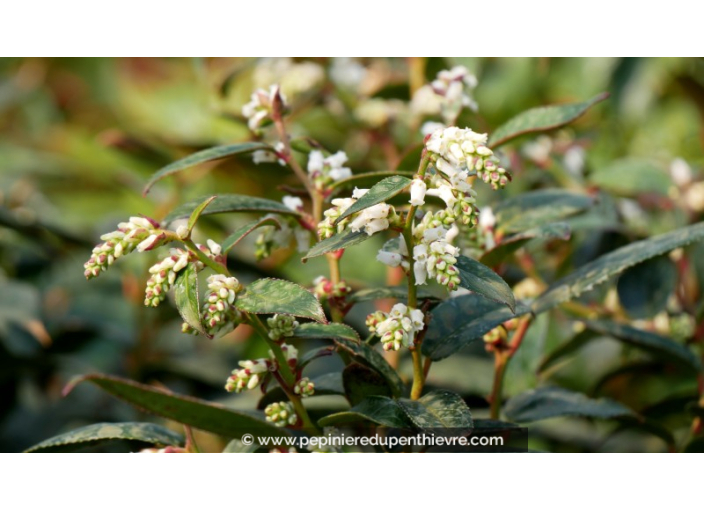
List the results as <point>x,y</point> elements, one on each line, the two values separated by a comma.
<point>230,203</point>
<point>645,288</point>
<point>245,230</point>
<point>388,293</point>
<point>438,409</point>
<point>210,154</point>
<point>380,410</point>
<point>478,278</point>
<point>183,409</point>
<point>367,356</point>
<point>510,244</point>
<point>539,119</point>
<point>148,433</point>
<point>197,212</point>
<point>344,239</point>
<point>186,297</point>
<point>551,401</point>
<point>381,191</point>
<point>269,295</point>
<point>314,354</point>
<point>459,321</point>
<point>360,382</point>
<point>539,208</point>
<point>326,331</point>
<point>658,345</point>
<point>573,345</point>
<point>366,179</point>
<point>599,270</point>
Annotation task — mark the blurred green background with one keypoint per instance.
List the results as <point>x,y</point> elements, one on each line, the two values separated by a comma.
<point>79,138</point>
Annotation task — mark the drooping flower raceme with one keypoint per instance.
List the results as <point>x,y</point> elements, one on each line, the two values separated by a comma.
<point>248,377</point>
<point>219,309</point>
<point>323,170</point>
<point>397,328</point>
<point>446,95</point>
<point>372,219</point>
<point>281,414</point>
<point>163,276</point>
<point>140,233</point>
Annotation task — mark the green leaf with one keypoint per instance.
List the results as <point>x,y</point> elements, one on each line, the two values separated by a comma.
<point>510,244</point>
<point>360,382</point>
<point>574,344</point>
<point>551,401</point>
<point>438,409</point>
<point>332,330</point>
<point>387,293</point>
<point>183,409</point>
<point>367,356</point>
<point>381,191</point>
<point>645,289</point>
<point>186,297</point>
<point>462,320</point>
<point>658,345</point>
<point>478,278</point>
<point>339,241</point>
<point>366,180</point>
<point>237,446</point>
<point>245,230</point>
<point>380,410</point>
<point>601,269</point>
<point>269,295</point>
<point>538,208</point>
<point>631,177</point>
<point>230,203</point>
<point>210,154</point>
<point>197,212</point>
<point>148,433</point>
<point>539,119</point>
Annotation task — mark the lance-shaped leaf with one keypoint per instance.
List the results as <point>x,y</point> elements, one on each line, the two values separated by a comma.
<point>438,409</point>
<point>230,203</point>
<point>551,401</point>
<point>381,191</point>
<point>539,119</point>
<point>247,229</point>
<point>388,293</point>
<point>367,356</point>
<point>478,278</point>
<point>183,409</point>
<point>333,331</point>
<point>197,212</point>
<point>269,295</point>
<point>339,241</point>
<point>186,297</point>
<point>459,321</point>
<point>510,244</point>
<point>366,180</point>
<point>538,208</point>
<point>91,435</point>
<point>599,270</point>
<point>203,156</point>
<point>380,410</point>
<point>658,345</point>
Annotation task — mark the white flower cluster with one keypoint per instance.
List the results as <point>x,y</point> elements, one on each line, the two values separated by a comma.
<point>304,387</point>
<point>248,377</point>
<point>372,219</point>
<point>435,258</point>
<point>271,238</point>
<point>294,77</point>
<point>139,233</point>
<point>397,328</point>
<point>281,325</point>
<point>269,156</point>
<point>219,309</point>
<point>163,276</point>
<point>455,152</point>
<point>281,414</point>
<point>323,170</point>
<point>260,107</point>
<point>446,95</point>
<point>394,253</point>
